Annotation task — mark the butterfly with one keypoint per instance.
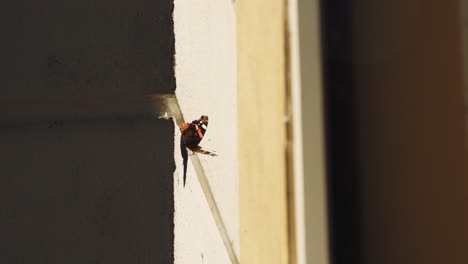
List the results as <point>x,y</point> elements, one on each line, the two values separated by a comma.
<point>191,135</point>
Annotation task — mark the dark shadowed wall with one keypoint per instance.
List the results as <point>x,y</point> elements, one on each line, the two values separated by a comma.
<point>88,191</point>
<point>92,187</point>
<point>86,47</point>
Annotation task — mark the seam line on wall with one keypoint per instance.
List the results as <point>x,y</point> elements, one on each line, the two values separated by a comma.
<point>176,112</point>
<point>13,109</point>
<point>69,107</point>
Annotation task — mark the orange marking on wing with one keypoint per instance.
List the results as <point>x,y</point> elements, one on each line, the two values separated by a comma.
<point>200,134</point>
<point>184,127</point>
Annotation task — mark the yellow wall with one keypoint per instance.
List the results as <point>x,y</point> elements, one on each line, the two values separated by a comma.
<point>262,131</point>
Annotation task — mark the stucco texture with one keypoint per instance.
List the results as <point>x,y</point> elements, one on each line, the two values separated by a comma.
<point>86,48</point>
<point>206,85</point>
<point>87,191</point>
<point>86,173</point>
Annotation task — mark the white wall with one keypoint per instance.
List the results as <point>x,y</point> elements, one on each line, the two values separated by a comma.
<point>206,84</point>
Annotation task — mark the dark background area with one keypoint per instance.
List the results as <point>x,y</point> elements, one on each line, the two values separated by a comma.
<point>395,131</point>
<point>340,117</point>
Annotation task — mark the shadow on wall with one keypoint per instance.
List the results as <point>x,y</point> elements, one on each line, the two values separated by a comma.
<point>87,48</point>
<point>96,191</point>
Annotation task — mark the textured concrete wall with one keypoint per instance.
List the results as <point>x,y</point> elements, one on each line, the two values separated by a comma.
<point>95,187</point>
<point>86,48</point>
<point>88,191</point>
<point>206,84</point>
<point>93,179</point>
